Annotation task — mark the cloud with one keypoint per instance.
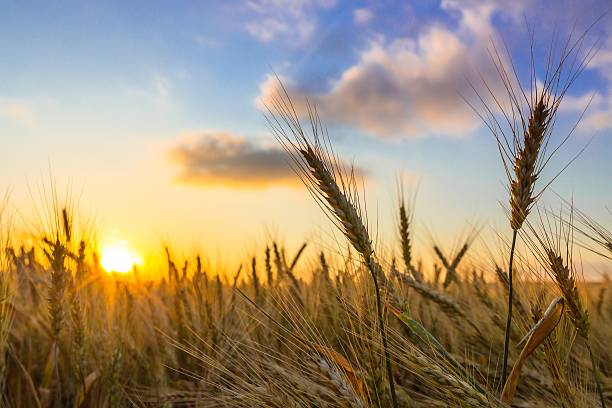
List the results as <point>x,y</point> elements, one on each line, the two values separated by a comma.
<point>598,103</point>
<point>362,16</point>
<point>221,158</point>
<point>410,86</point>
<point>598,116</point>
<point>288,20</point>
<point>217,158</point>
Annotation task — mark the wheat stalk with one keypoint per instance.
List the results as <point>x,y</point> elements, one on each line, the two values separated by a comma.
<point>551,242</point>
<point>269,275</point>
<point>406,220</point>
<point>455,387</point>
<point>523,130</point>
<point>451,308</point>
<point>325,178</point>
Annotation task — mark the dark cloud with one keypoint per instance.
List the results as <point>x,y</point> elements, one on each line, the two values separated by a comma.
<point>213,158</point>
<point>219,158</point>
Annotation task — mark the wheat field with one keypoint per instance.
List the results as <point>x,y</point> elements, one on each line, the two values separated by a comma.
<point>292,327</point>
<point>312,327</point>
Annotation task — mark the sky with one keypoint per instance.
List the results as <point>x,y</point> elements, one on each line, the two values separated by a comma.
<point>150,113</point>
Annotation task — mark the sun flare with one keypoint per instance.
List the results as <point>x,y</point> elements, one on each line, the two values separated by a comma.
<point>118,258</point>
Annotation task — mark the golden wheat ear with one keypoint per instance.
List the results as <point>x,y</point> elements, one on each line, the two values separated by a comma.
<point>333,187</point>
<point>522,121</point>
<point>552,243</point>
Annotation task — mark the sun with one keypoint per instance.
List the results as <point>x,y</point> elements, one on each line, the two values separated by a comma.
<point>118,258</point>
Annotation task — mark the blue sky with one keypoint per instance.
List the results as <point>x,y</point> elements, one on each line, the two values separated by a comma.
<point>151,110</point>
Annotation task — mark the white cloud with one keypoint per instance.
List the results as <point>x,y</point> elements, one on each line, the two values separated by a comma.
<point>598,116</point>
<point>573,103</point>
<point>286,20</point>
<point>598,120</point>
<point>602,61</point>
<point>411,86</point>
<point>362,16</point>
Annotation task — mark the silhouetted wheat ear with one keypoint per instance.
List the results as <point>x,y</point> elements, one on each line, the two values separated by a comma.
<point>269,275</point>
<point>525,165</point>
<point>255,279</point>
<point>405,239</point>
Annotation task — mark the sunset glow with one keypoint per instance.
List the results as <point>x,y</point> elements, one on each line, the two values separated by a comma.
<point>118,258</point>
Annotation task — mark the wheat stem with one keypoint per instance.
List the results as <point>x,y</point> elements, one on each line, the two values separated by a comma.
<point>375,270</point>
<point>509,318</point>
<point>596,376</point>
